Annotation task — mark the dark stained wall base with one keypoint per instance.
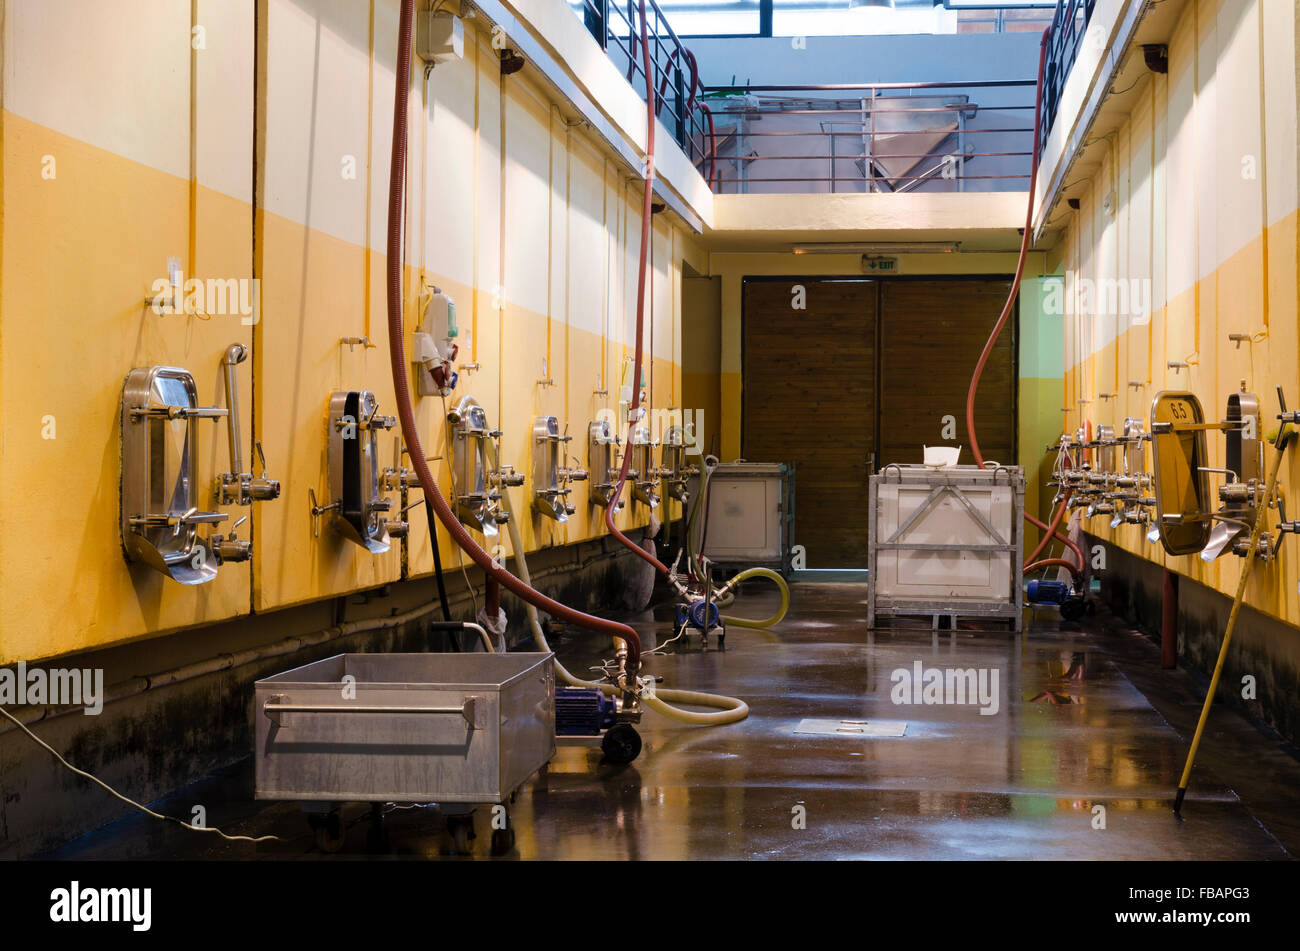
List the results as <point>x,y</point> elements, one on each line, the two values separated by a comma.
<point>154,742</point>
<point>1262,647</point>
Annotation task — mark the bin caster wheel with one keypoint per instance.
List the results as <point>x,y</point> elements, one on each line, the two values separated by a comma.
<point>329,831</point>
<point>621,744</point>
<point>462,830</point>
<point>377,833</point>
<point>503,841</point>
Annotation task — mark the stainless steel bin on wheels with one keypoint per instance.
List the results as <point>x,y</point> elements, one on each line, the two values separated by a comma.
<point>411,728</point>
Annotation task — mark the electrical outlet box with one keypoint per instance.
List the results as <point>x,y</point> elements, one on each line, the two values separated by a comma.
<point>439,37</point>
<point>434,347</point>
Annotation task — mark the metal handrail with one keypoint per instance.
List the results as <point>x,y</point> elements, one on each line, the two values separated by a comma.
<point>878,122</point>
<point>1065,36</point>
<point>687,107</point>
<point>833,87</point>
<point>616,27</point>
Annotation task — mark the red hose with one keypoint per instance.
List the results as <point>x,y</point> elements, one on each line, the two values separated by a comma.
<point>696,103</point>
<point>640,305</point>
<point>652,109</point>
<point>1010,304</point>
<point>713,148</point>
<point>1050,532</point>
<point>696,85</point>
<point>1020,262</point>
<point>1049,562</point>
<point>692,104</point>
<point>397,355</point>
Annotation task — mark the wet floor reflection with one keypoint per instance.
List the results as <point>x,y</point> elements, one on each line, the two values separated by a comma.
<point>1013,743</point>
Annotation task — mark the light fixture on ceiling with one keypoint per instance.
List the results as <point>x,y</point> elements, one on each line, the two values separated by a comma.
<point>511,62</point>
<point>889,247</point>
<point>1156,56</point>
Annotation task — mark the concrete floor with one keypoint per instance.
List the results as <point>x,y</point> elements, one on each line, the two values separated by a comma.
<point>1085,719</point>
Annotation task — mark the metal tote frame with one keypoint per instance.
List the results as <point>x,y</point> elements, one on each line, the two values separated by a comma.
<point>1011,608</point>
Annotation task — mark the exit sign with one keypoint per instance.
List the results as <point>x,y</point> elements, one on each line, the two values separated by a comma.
<point>874,264</point>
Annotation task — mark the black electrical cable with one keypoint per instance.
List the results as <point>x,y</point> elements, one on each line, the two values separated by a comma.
<point>437,572</point>
<point>437,559</point>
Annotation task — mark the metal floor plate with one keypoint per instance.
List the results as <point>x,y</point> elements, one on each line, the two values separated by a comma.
<point>852,728</point>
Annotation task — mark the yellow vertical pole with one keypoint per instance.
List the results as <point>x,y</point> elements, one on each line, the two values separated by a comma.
<point>1283,438</point>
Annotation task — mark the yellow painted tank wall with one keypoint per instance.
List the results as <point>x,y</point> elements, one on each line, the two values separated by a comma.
<point>252,142</point>
<point>1196,200</point>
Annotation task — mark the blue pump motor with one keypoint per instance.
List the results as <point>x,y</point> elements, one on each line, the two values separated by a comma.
<point>1047,592</point>
<point>701,615</point>
<point>582,711</point>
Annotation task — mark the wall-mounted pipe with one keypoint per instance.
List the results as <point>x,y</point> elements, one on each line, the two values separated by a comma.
<point>236,354</point>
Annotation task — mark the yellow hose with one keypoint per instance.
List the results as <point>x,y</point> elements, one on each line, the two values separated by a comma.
<point>760,573</point>
<point>730,709</point>
<point>725,596</point>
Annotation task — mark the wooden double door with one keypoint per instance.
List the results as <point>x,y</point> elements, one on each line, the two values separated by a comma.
<point>842,376</point>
